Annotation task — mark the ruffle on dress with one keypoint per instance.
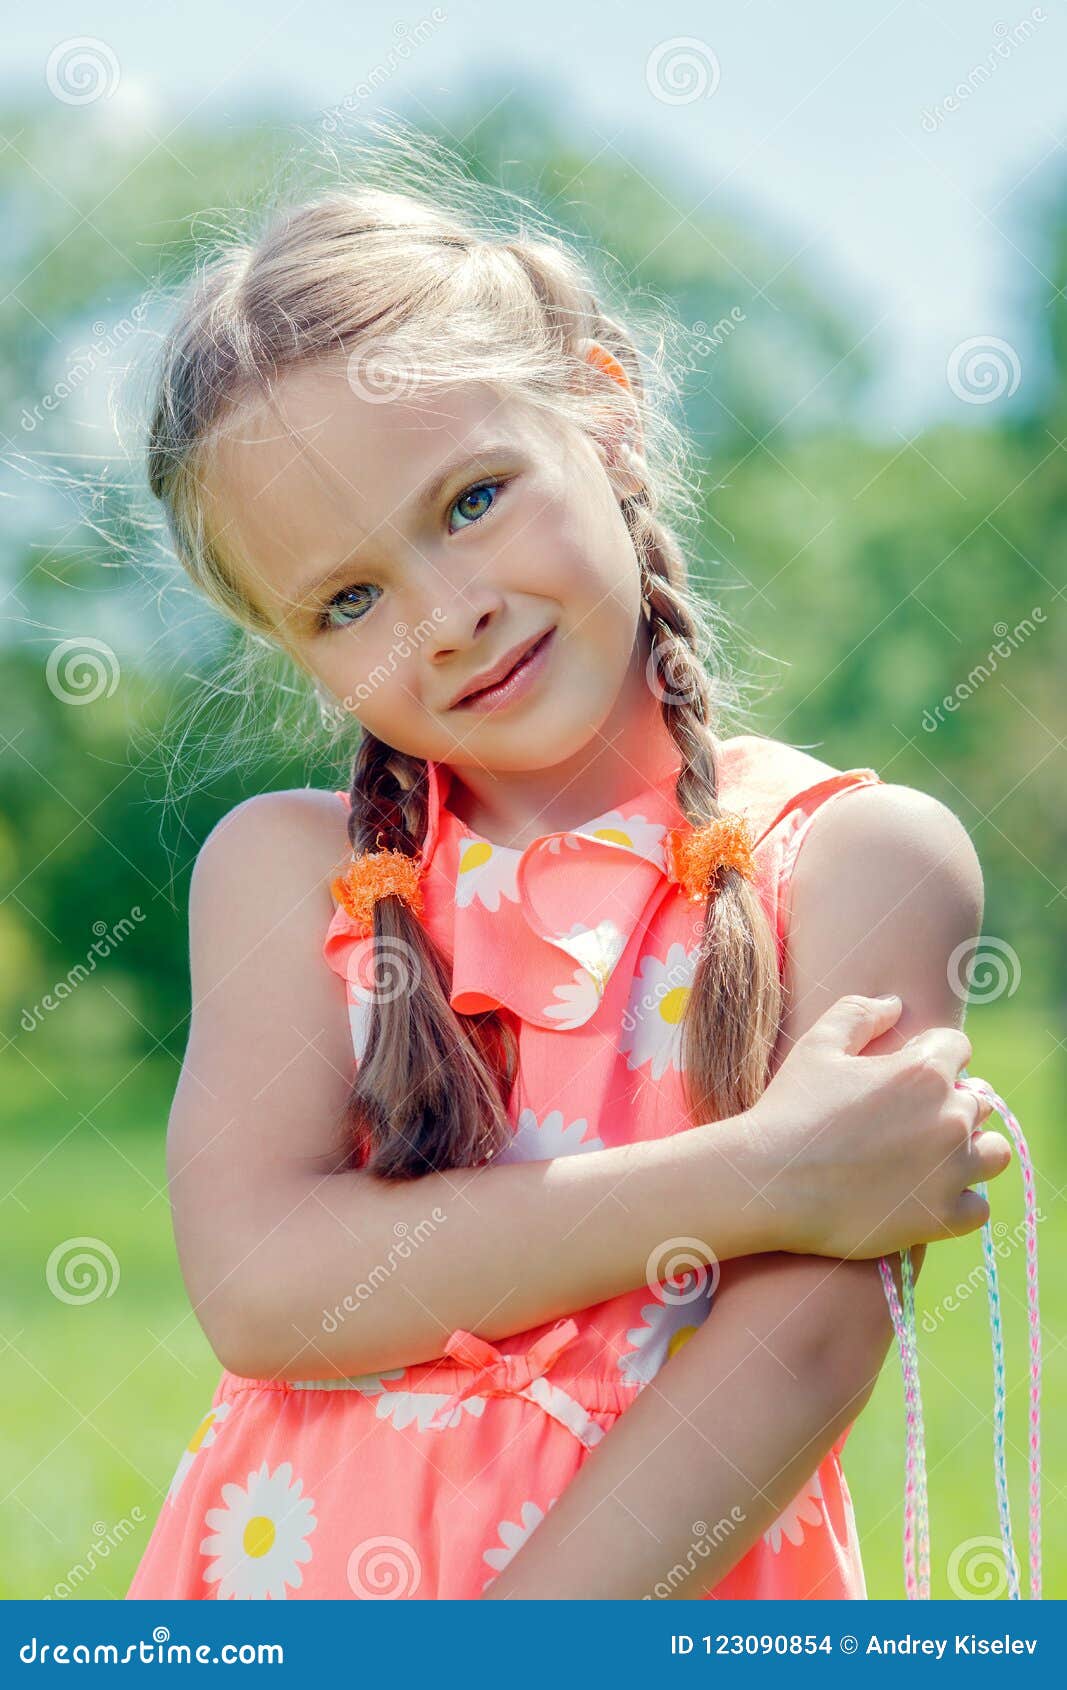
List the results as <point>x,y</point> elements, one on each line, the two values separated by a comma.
<point>540,931</point>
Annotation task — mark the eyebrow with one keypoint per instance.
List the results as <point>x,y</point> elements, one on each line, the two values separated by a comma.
<point>426,497</point>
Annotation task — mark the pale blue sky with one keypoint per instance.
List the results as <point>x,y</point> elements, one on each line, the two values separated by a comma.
<point>815,126</point>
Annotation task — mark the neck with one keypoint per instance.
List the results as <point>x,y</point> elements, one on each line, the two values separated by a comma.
<point>515,807</point>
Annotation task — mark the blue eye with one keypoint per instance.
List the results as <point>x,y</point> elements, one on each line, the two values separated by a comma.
<point>473,494</point>
<point>342,601</point>
<point>348,599</point>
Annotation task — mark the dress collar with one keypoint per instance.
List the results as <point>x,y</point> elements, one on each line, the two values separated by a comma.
<point>541,930</point>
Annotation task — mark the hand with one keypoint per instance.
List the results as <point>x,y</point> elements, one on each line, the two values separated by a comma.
<point>866,1155</point>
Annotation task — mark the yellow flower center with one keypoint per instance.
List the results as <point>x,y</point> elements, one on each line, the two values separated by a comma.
<point>474,855</point>
<point>201,1432</point>
<point>682,1336</point>
<point>259,1535</point>
<point>614,834</point>
<point>672,1004</point>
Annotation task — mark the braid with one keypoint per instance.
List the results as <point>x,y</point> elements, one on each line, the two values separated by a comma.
<point>432,1088</point>
<point>735,1004</point>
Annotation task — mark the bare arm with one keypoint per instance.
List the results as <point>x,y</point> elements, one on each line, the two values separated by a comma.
<point>886,886</point>
<point>296,1270</point>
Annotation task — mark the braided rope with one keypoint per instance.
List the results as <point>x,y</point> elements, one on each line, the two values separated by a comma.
<point>916,1508</point>
<point>1033,1311</point>
<point>913,1454</point>
<point>907,1280</point>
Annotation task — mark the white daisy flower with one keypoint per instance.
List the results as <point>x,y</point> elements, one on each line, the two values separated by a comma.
<point>540,1141</point>
<point>260,1536</point>
<point>579,1000</point>
<point>406,1408</point>
<point>804,1510</point>
<point>202,1438</point>
<point>513,1534</point>
<point>486,873</point>
<point>597,948</point>
<point>651,1029</point>
<point>635,833</point>
<point>665,1326</point>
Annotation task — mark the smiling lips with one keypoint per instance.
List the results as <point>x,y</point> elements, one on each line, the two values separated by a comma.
<point>526,663</point>
<point>497,676</point>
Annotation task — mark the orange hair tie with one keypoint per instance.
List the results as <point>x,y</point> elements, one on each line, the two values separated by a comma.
<point>374,875</point>
<point>698,855</point>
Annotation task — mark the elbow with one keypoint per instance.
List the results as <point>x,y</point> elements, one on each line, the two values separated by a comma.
<point>237,1335</point>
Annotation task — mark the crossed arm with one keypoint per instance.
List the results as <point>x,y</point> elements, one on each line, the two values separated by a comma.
<point>886,886</point>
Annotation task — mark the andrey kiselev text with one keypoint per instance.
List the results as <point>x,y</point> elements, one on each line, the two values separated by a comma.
<point>813,1643</point>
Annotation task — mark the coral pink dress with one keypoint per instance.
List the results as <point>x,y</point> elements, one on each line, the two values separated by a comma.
<point>424,1481</point>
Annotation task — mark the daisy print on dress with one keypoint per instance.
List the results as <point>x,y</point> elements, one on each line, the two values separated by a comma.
<point>579,999</point>
<point>540,1141</point>
<point>486,873</point>
<point>634,833</point>
<point>651,1029</point>
<point>419,1408</point>
<point>679,1310</point>
<point>260,1537</point>
<point>202,1438</point>
<point>597,948</point>
<point>513,1534</point>
<point>804,1510</point>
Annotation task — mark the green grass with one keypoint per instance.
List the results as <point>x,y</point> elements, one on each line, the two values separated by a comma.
<point>101,1397</point>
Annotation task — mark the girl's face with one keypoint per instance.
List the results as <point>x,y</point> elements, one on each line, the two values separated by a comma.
<point>401,549</point>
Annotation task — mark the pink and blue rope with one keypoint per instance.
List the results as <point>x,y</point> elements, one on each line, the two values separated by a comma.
<point>902,1312</point>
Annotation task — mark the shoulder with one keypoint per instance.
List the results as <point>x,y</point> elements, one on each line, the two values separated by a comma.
<point>297,825</point>
<point>885,890</point>
<point>887,843</point>
<point>266,867</point>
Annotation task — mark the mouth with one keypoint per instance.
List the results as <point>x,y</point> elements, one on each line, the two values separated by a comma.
<point>510,684</point>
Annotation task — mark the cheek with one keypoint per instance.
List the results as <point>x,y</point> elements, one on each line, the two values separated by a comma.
<point>593,566</point>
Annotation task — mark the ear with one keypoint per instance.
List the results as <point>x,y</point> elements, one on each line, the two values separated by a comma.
<point>626,453</point>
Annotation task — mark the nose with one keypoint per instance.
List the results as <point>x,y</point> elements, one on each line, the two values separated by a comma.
<point>460,620</point>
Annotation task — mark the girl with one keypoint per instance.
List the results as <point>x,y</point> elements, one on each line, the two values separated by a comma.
<point>622,1097</point>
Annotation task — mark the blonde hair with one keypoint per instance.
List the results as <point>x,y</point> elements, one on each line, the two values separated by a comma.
<point>417,286</point>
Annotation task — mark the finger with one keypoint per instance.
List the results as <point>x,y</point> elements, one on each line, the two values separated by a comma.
<point>971,1212</point>
<point>978,1104</point>
<point>854,1021</point>
<point>948,1048</point>
<point>990,1154</point>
